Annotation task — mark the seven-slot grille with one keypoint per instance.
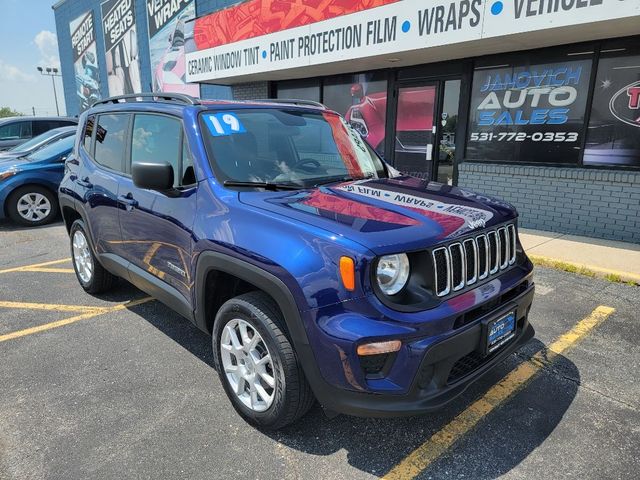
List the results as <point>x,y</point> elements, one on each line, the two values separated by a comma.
<point>464,263</point>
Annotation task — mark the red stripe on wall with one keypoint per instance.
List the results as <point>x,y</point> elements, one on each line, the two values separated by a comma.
<point>260,17</point>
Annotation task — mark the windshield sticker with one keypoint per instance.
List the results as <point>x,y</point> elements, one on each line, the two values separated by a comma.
<point>223,123</point>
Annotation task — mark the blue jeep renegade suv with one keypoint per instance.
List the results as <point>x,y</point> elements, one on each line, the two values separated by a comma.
<point>320,271</point>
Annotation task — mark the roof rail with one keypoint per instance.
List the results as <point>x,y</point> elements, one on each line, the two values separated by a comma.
<point>292,101</point>
<point>153,96</point>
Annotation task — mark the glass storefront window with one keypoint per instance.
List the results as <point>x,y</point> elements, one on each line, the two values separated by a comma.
<point>448,126</point>
<point>529,113</point>
<point>362,100</point>
<point>307,89</point>
<point>613,137</point>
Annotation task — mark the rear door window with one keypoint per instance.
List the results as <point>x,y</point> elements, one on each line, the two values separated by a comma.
<point>110,144</point>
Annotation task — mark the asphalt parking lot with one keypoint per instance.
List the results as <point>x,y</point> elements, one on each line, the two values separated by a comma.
<point>121,387</point>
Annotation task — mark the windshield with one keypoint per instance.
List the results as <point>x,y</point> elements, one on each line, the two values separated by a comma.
<point>56,149</point>
<point>34,142</point>
<point>286,147</point>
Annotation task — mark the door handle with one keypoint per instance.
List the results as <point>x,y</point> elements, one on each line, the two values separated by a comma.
<point>129,202</point>
<point>85,182</point>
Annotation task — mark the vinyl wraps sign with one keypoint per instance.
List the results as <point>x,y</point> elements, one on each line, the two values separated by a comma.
<point>261,36</point>
<point>170,31</point>
<point>85,62</point>
<point>121,46</point>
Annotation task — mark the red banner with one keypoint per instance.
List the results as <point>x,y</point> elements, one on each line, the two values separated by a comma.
<point>260,17</point>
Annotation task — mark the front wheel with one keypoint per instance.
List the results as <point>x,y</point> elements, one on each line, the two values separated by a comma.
<point>256,362</point>
<point>32,205</point>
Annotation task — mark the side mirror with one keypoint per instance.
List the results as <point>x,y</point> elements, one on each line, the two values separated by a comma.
<point>152,176</point>
<point>357,92</point>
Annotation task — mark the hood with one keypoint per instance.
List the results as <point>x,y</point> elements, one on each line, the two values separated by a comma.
<point>388,215</point>
<point>10,156</point>
<point>11,161</point>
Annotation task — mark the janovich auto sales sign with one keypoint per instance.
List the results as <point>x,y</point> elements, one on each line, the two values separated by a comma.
<point>261,36</point>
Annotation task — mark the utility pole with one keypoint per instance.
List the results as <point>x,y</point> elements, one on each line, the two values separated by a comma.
<point>33,109</point>
<point>51,72</point>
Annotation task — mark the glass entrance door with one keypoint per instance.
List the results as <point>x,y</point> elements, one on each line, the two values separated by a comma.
<point>416,130</point>
<point>425,130</point>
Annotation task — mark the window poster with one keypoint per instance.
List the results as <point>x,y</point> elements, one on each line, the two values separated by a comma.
<point>529,114</point>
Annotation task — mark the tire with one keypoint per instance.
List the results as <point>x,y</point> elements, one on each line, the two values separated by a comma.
<point>32,205</point>
<point>291,395</point>
<point>90,274</point>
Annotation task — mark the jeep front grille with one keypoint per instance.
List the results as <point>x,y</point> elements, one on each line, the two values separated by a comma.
<point>464,263</point>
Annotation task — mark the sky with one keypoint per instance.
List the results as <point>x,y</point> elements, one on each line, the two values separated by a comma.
<point>28,40</point>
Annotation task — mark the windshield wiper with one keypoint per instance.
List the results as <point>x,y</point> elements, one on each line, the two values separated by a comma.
<point>265,185</point>
<point>327,181</point>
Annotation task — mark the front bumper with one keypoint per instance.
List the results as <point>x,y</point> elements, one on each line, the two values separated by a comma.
<point>447,368</point>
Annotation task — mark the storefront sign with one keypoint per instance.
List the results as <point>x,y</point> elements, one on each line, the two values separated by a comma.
<point>170,30</point>
<point>85,62</point>
<point>529,113</point>
<point>121,46</point>
<point>270,36</point>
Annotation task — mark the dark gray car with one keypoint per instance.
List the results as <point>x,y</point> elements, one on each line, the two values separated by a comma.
<point>17,130</point>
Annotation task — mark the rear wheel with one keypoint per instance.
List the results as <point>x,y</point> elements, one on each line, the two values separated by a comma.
<point>32,205</point>
<point>90,274</point>
<point>256,362</point>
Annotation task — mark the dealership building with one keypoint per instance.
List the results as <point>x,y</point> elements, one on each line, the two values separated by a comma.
<point>533,101</point>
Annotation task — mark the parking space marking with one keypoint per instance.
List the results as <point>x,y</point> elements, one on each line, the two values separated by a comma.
<point>35,265</point>
<point>67,321</point>
<point>50,270</point>
<point>56,307</point>
<point>418,460</point>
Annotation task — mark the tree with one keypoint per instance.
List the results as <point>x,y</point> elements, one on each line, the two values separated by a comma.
<point>7,112</point>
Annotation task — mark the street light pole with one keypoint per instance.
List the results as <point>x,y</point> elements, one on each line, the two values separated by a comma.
<point>52,72</point>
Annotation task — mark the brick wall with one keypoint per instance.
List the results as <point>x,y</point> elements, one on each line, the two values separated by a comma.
<point>595,203</point>
<point>250,91</point>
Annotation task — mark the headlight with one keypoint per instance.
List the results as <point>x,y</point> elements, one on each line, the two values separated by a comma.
<point>392,273</point>
<point>356,120</point>
<point>8,173</point>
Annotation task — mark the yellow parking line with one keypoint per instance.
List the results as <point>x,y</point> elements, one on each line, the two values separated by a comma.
<point>35,265</point>
<point>67,321</point>
<point>441,441</point>
<point>49,270</point>
<point>51,306</point>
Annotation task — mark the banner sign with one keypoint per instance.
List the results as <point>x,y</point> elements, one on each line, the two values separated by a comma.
<point>85,60</point>
<point>121,46</point>
<point>271,36</point>
<point>170,30</point>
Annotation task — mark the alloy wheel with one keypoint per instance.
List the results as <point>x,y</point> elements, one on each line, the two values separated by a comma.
<point>248,365</point>
<point>82,256</point>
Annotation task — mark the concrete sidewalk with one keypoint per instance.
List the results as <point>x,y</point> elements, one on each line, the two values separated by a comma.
<point>603,257</point>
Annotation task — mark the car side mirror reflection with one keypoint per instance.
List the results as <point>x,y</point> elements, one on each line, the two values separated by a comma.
<point>152,176</point>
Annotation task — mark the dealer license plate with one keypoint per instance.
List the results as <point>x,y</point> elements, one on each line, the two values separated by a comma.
<point>500,331</point>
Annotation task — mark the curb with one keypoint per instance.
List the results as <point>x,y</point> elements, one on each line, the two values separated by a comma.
<point>588,270</point>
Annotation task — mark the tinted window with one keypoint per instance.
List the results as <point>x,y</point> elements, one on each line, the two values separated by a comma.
<point>41,126</point>
<point>35,142</point>
<point>110,140</point>
<point>15,130</point>
<point>613,136</point>
<point>157,139</point>
<point>88,132</point>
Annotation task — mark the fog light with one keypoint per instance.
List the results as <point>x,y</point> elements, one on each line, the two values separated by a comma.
<point>376,348</point>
